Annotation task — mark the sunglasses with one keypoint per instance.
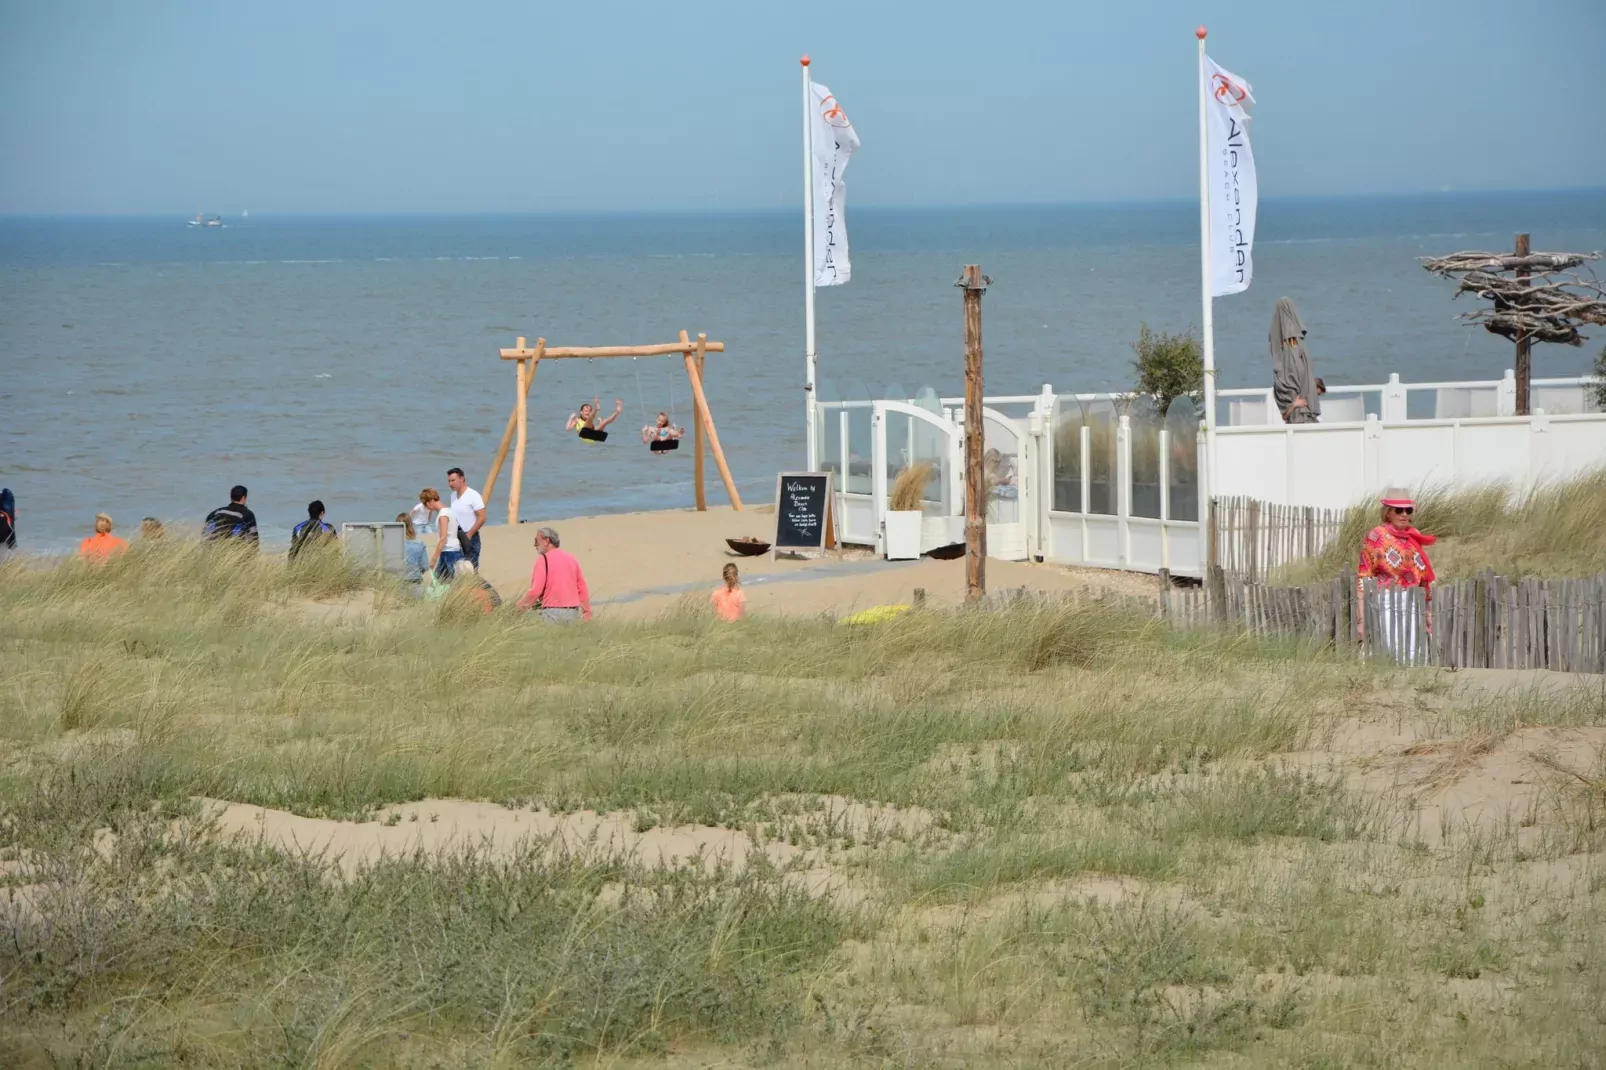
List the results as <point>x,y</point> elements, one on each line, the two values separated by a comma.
<point>1403,510</point>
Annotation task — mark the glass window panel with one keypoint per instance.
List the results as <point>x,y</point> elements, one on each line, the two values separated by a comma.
<point>1182,431</point>
<point>860,440</point>
<point>1069,419</point>
<point>1101,464</point>
<point>1001,466</point>
<point>1145,422</point>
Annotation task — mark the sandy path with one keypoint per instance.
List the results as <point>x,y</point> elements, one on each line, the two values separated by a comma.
<point>639,564</point>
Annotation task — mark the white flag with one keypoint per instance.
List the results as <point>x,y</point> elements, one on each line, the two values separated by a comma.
<point>833,143</point>
<point>1231,170</point>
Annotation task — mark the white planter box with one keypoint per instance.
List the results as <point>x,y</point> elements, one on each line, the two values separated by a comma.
<point>903,534</point>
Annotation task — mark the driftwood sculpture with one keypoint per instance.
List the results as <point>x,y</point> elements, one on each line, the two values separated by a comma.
<point>1541,299</point>
<point>1533,297</point>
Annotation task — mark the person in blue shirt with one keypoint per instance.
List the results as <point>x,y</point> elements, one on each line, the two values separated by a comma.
<point>417,559</point>
<point>8,519</point>
<point>311,531</point>
<point>232,521</point>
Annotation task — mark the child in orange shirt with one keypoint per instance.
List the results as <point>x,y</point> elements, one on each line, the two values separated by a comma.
<point>102,544</point>
<point>730,601</point>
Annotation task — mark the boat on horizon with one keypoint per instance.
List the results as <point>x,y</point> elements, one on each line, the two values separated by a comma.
<point>201,220</point>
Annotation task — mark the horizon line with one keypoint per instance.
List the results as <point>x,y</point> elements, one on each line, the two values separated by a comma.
<point>775,210</point>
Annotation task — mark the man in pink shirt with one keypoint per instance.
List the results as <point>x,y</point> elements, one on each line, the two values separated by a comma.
<point>557,586</point>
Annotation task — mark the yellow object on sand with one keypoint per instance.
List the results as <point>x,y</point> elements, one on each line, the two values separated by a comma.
<point>875,615</point>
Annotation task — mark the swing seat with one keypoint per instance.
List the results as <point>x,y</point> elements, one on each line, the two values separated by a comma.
<point>591,434</point>
<point>664,445</point>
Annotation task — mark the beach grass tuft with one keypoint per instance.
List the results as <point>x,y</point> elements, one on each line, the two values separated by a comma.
<point>1554,529</point>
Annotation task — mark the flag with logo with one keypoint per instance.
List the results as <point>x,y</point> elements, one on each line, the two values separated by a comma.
<point>833,141</point>
<point>1232,189</point>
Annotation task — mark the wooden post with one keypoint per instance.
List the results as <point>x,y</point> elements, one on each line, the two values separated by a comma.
<point>696,433</point>
<point>525,371</point>
<point>693,362</point>
<point>1524,357</point>
<point>512,420</point>
<point>974,284</point>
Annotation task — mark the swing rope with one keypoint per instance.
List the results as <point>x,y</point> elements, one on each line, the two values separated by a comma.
<point>641,398</point>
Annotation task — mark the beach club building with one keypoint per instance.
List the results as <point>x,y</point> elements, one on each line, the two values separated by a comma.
<point>1110,481</point>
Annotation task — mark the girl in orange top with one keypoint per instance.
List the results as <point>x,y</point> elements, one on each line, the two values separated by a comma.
<point>730,601</point>
<point>102,544</point>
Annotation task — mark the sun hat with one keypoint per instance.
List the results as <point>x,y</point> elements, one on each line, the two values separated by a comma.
<point>1395,498</point>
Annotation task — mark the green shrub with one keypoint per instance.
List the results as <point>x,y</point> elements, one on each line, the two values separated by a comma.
<point>1168,365</point>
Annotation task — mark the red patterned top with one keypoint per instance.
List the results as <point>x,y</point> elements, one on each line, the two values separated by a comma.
<point>1397,558</point>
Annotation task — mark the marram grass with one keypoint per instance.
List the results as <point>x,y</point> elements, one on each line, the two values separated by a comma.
<point>1101,857</point>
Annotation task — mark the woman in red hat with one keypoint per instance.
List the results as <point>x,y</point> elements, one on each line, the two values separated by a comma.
<point>1394,555</point>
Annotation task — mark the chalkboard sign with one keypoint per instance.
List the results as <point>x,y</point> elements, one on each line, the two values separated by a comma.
<point>803,503</point>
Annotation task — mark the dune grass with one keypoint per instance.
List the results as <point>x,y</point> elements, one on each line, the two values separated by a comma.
<point>1554,529</point>
<point>1090,851</point>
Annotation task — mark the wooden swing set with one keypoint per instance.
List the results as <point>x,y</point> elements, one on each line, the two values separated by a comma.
<point>702,420</point>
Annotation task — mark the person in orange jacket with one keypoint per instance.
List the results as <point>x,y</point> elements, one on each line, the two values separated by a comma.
<point>102,544</point>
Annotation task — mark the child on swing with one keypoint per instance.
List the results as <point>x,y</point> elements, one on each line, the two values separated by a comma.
<point>586,420</point>
<point>661,435</point>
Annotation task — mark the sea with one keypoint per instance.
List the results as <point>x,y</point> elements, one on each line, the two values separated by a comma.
<point>146,365</point>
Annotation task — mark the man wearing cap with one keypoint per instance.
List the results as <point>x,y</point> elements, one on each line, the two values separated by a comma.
<point>1394,555</point>
<point>557,586</point>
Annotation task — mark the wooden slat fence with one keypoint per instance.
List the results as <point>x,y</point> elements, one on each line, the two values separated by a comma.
<point>1250,538</point>
<point>1485,622</point>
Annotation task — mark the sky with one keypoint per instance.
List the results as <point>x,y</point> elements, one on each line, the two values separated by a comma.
<point>507,106</point>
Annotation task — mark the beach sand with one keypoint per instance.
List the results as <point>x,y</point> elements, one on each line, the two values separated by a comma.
<point>640,564</point>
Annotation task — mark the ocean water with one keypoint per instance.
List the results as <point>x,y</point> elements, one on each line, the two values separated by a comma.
<point>146,366</point>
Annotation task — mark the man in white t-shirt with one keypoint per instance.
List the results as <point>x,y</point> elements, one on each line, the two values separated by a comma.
<point>468,509</point>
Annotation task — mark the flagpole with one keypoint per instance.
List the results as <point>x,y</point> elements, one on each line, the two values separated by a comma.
<point>811,439</point>
<point>1209,327</point>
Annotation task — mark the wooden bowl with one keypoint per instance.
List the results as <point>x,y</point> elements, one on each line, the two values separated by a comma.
<point>748,547</point>
<point>947,553</point>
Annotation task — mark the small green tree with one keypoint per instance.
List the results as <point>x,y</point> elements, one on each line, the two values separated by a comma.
<point>1168,365</point>
<point>1600,379</point>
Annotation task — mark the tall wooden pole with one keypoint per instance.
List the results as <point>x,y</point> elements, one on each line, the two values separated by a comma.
<point>701,356</point>
<point>1524,357</point>
<point>693,362</point>
<point>696,433</point>
<point>974,284</point>
<point>512,422</point>
<point>525,370</point>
